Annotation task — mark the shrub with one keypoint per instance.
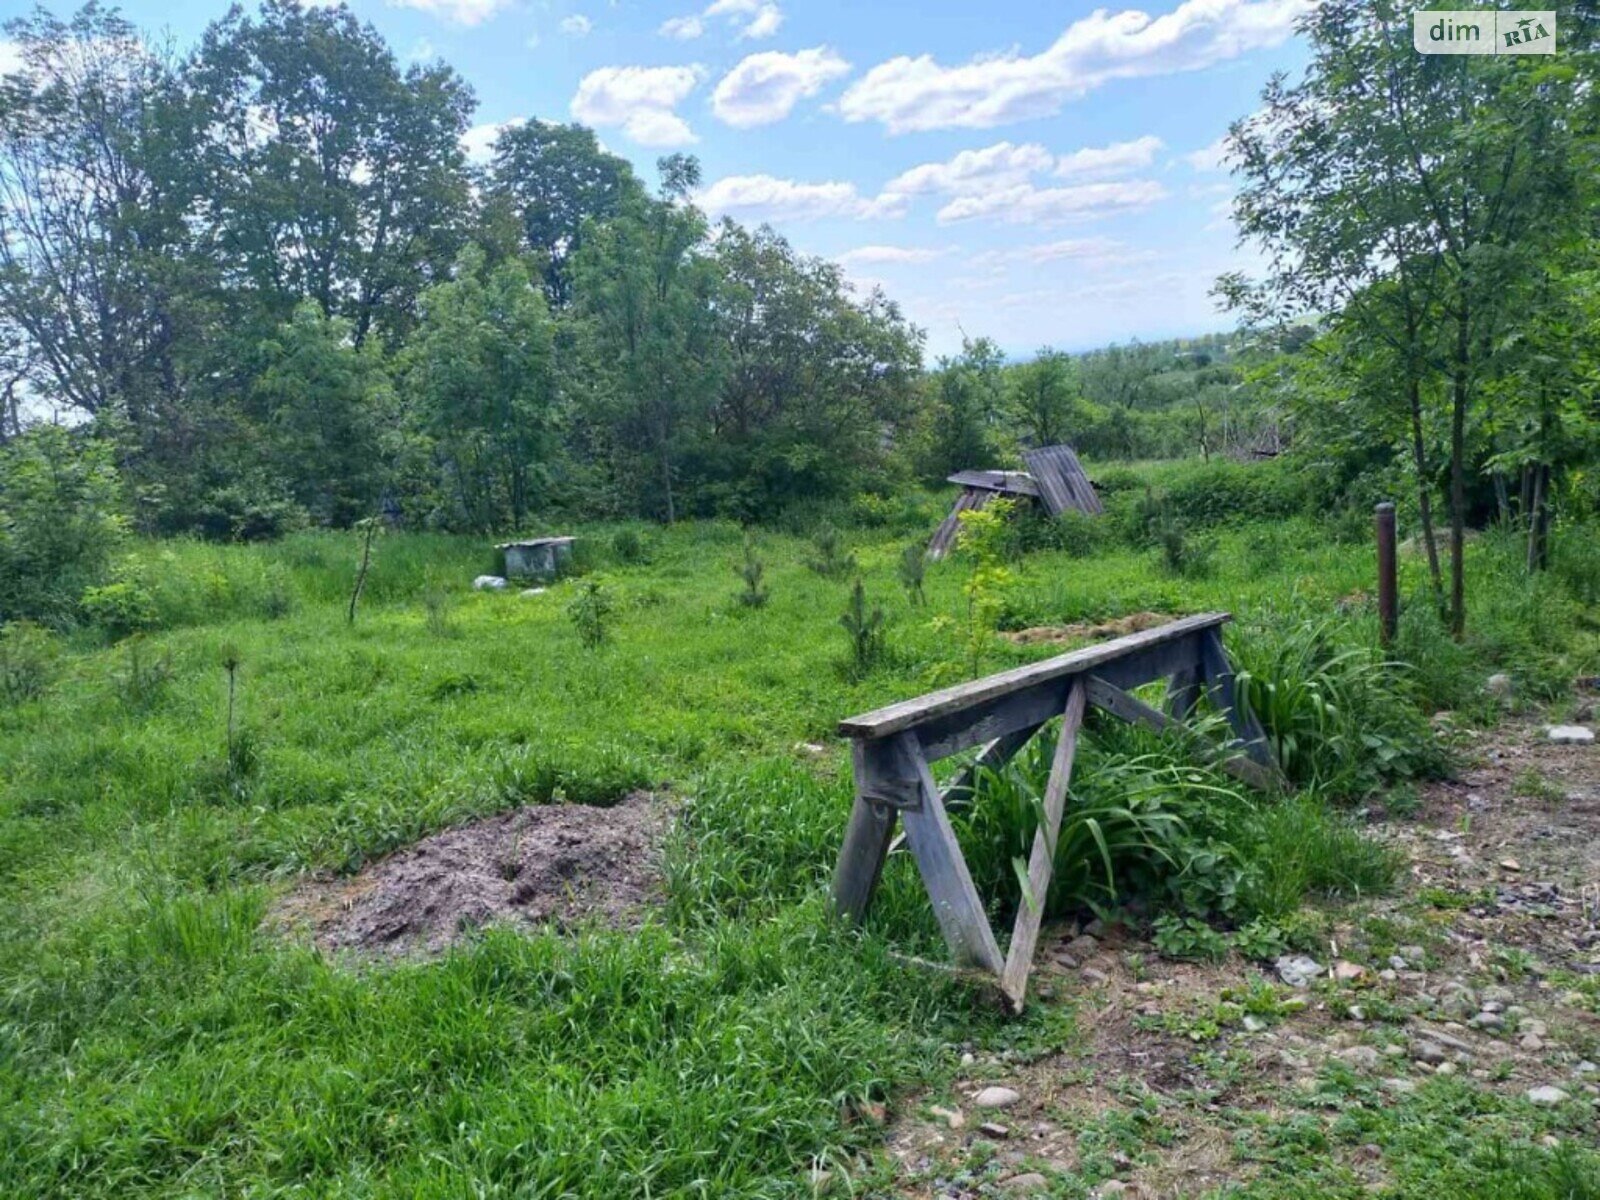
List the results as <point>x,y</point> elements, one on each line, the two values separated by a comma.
<point>627,546</point>
<point>751,571</point>
<point>120,608</point>
<point>866,630</point>
<point>590,612</point>
<point>60,522</point>
<point>913,569</point>
<point>28,659</point>
<point>831,559</point>
<point>1183,554</point>
<point>1337,716</point>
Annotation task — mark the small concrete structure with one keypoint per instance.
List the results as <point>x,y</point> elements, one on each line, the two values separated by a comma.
<point>538,558</point>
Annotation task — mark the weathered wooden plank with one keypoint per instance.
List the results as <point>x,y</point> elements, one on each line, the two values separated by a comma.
<point>1041,863</point>
<point>1014,483</point>
<point>956,905</point>
<point>1220,681</point>
<point>945,536</point>
<point>1136,712</point>
<point>907,713</point>
<point>866,844</point>
<point>1062,482</point>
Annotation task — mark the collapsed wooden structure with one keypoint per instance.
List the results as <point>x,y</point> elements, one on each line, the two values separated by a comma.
<point>1054,478</point>
<point>892,748</point>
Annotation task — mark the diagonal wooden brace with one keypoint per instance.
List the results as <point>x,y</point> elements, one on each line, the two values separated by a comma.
<point>1041,864</point>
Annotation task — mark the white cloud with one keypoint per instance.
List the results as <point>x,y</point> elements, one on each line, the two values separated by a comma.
<point>10,57</point>
<point>907,94</point>
<point>1116,159</point>
<point>422,50</point>
<point>754,19</point>
<point>1210,158</point>
<point>764,24</point>
<point>640,100</point>
<point>767,198</point>
<point>765,87</point>
<point>478,142</point>
<point>459,12</point>
<point>577,25</point>
<point>1002,165</point>
<point>683,29</point>
<point>1094,251</point>
<point>1026,204</point>
<point>887,254</point>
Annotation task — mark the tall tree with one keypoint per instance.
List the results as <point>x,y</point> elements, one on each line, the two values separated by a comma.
<point>648,296</point>
<point>555,178</point>
<point>480,374</point>
<point>332,176</point>
<point>1409,192</point>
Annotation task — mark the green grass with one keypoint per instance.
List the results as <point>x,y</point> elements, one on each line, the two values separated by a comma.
<point>157,1039</point>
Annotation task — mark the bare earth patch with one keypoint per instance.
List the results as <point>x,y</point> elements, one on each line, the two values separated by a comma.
<point>1051,635</point>
<point>561,864</point>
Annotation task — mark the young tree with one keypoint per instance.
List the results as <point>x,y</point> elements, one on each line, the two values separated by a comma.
<point>1408,193</point>
<point>1047,398</point>
<point>480,375</point>
<point>647,295</point>
<point>321,401</point>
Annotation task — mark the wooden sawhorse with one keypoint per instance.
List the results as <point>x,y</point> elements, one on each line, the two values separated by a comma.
<point>893,746</point>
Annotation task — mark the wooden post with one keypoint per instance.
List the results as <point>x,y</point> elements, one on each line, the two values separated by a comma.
<point>1388,583</point>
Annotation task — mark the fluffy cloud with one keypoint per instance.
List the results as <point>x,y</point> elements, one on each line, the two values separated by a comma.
<point>639,99</point>
<point>872,255</point>
<point>478,142</point>
<point>907,94</point>
<point>765,87</point>
<point>458,12</point>
<point>752,19</point>
<point>682,29</point>
<point>577,25</point>
<point>1210,158</point>
<point>767,198</point>
<point>1026,204</point>
<point>1116,159</point>
<point>971,172</point>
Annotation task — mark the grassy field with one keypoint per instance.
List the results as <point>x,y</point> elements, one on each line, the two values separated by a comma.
<point>156,1039</point>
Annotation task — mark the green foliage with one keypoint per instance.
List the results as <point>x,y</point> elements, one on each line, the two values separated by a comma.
<point>143,681</point>
<point>865,628</point>
<point>120,608</point>
<point>913,569</point>
<point>628,548</point>
<point>591,612</point>
<point>60,522</point>
<point>1187,938</point>
<point>29,658</point>
<point>751,571</point>
<point>831,559</point>
<point>1337,716</point>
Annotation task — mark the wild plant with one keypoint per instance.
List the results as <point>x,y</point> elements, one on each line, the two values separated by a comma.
<point>752,570</point>
<point>369,530</point>
<point>28,657</point>
<point>913,567</point>
<point>591,612</point>
<point>866,629</point>
<point>831,559</point>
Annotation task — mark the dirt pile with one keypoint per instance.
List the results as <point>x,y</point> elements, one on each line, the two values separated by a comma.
<point>1061,634</point>
<point>563,865</point>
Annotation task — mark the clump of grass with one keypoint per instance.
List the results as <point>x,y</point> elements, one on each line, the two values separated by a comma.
<point>145,679</point>
<point>1301,848</point>
<point>438,604</point>
<point>627,547</point>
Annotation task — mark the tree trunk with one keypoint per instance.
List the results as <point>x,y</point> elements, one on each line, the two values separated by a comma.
<point>1419,454</point>
<point>1458,477</point>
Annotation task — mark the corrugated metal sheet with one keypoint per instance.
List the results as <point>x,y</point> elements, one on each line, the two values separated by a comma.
<point>1015,483</point>
<point>1061,480</point>
<point>945,536</point>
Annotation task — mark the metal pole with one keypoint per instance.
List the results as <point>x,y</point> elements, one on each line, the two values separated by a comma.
<point>1388,585</point>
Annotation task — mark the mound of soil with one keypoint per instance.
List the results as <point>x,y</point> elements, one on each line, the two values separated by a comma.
<point>563,865</point>
<point>1061,634</point>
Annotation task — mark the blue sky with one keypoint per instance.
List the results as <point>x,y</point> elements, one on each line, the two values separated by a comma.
<point>1045,174</point>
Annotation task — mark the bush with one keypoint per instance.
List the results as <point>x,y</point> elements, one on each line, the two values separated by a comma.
<point>590,612</point>
<point>60,522</point>
<point>1338,716</point>
<point>28,658</point>
<point>120,608</point>
<point>627,547</point>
